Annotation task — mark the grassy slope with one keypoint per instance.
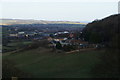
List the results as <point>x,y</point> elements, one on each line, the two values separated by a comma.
<point>15,45</point>
<point>43,63</point>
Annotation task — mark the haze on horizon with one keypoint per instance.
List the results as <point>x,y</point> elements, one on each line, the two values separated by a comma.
<point>72,10</point>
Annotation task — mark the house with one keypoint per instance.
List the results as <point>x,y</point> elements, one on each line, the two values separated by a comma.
<point>49,39</point>
<point>83,45</point>
<point>63,43</point>
<point>58,39</point>
<point>58,33</point>
<point>13,35</point>
<point>21,32</point>
<point>45,34</point>
<point>30,33</point>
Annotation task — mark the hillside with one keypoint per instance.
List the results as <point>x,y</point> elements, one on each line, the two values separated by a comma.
<point>30,21</point>
<point>105,31</point>
<point>42,63</point>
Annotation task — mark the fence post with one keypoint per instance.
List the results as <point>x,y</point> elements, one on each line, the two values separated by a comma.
<point>14,78</point>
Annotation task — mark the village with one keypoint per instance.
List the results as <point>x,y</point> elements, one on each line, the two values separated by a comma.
<point>67,41</point>
<point>58,37</point>
<point>58,41</point>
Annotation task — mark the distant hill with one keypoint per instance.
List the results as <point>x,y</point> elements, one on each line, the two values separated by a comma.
<point>30,21</point>
<point>106,31</point>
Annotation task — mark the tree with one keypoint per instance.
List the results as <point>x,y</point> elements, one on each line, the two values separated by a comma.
<point>58,45</point>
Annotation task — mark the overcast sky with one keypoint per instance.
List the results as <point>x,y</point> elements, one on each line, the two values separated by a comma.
<point>70,10</point>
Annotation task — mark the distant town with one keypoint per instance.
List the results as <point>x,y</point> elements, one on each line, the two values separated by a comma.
<point>64,37</point>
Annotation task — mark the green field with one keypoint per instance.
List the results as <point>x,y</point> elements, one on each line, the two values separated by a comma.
<point>43,63</point>
<point>12,46</point>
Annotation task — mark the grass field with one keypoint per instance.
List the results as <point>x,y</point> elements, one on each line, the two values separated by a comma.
<point>15,45</point>
<point>43,63</point>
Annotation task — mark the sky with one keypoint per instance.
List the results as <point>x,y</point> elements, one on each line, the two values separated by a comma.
<point>58,10</point>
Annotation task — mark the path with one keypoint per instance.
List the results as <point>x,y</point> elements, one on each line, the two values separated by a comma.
<point>86,49</point>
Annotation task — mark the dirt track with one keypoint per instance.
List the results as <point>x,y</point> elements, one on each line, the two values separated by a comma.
<point>87,49</point>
